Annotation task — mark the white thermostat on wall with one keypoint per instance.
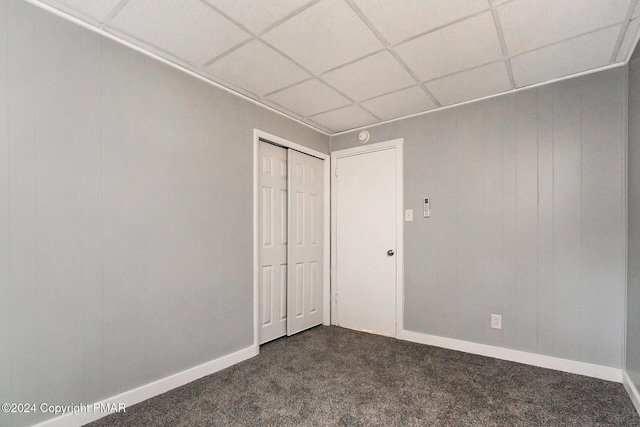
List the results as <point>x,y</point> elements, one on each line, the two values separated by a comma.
<point>427,212</point>
<point>363,136</point>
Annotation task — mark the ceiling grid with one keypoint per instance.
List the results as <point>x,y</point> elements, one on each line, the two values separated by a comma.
<point>343,64</point>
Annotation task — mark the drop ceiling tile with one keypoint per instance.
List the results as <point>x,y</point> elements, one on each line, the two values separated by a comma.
<point>257,16</point>
<point>483,81</point>
<point>398,104</point>
<point>460,46</point>
<point>369,77</point>
<point>188,29</point>
<point>257,68</point>
<point>528,25</point>
<point>308,98</point>
<point>346,118</point>
<point>628,40</point>
<point>572,56</point>
<point>399,22</point>
<point>97,9</point>
<point>324,36</point>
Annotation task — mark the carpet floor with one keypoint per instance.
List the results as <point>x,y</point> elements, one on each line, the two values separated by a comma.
<point>329,376</point>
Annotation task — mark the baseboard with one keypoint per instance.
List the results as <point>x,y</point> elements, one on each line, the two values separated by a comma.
<point>632,391</point>
<point>550,362</point>
<point>137,395</point>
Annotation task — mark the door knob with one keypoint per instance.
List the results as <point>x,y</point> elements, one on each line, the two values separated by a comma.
<point>390,252</point>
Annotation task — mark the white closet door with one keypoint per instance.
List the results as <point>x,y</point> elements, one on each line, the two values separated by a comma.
<point>273,241</point>
<point>305,250</point>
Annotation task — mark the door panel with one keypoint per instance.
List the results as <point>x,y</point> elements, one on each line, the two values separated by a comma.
<point>366,231</point>
<point>305,253</point>
<point>273,241</point>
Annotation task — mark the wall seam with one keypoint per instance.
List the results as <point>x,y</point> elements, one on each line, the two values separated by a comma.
<point>580,219</point>
<point>537,220</point>
<point>102,234</point>
<point>82,217</point>
<point>35,197</point>
<point>625,215</point>
<point>9,263</point>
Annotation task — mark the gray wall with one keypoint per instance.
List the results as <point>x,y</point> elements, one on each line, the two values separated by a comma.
<point>527,218</point>
<point>633,264</point>
<point>125,214</point>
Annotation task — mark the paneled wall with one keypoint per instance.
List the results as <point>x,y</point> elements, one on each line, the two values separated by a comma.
<point>527,218</point>
<point>125,214</point>
<point>633,264</point>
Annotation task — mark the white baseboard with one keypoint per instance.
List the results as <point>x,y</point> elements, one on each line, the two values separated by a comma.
<point>550,362</point>
<point>632,391</point>
<point>137,395</point>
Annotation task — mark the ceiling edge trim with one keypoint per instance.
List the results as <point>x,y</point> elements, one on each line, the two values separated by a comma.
<point>459,104</point>
<point>165,61</point>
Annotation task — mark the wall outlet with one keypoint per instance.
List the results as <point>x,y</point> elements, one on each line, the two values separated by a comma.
<point>496,321</point>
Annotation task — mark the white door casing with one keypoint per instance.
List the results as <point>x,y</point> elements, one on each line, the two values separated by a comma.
<point>366,224</point>
<point>273,241</point>
<point>305,249</point>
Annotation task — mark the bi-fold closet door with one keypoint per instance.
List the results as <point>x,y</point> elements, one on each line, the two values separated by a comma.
<point>291,241</point>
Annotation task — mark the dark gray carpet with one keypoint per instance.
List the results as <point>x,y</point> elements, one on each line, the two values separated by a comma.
<point>332,376</point>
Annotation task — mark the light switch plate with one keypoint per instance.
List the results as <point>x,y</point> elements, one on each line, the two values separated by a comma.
<point>408,215</point>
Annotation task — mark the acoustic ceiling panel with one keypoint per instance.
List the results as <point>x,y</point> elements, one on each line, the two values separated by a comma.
<point>97,9</point>
<point>369,77</point>
<point>400,21</point>
<point>324,36</point>
<point>471,84</point>
<point>458,47</point>
<point>530,25</point>
<point>345,118</point>
<point>257,16</point>
<point>572,56</point>
<point>186,29</point>
<point>401,103</point>
<point>308,98</point>
<point>257,68</point>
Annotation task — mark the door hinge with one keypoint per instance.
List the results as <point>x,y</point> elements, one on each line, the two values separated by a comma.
<point>336,172</point>
<point>336,298</point>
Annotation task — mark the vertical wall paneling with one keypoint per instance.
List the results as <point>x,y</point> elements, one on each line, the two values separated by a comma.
<point>5,284</point>
<point>469,204</point>
<point>116,213</point>
<point>22,205</point>
<point>427,261</point>
<point>509,295</point>
<point>125,214</point>
<point>512,181</point>
<point>138,237</point>
<point>58,174</point>
<point>545,236</point>
<point>444,208</point>
<point>567,195</point>
<point>159,199</point>
<point>92,248</point>
<point>601,229</point>
<point>492,221</point>
<point>520,309</point>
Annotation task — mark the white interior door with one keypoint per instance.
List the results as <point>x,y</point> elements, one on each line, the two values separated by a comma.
<point>272,232</point>
<point>305,249</point>
<point>366,239</point>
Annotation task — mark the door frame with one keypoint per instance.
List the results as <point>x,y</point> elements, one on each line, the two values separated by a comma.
<point>326,214</point>
<point>396,144</point>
